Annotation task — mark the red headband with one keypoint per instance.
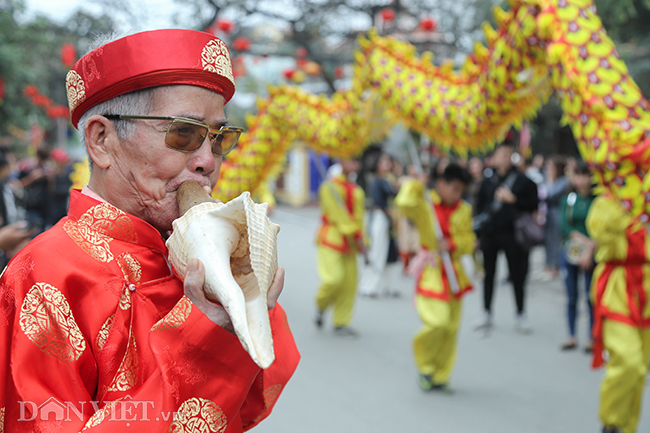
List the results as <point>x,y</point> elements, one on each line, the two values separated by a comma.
<point>149,59</point>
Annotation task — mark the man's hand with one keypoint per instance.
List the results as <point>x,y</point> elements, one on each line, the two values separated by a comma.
<point>504,195</point>
<point>193,284</point>
<point>14,234</point>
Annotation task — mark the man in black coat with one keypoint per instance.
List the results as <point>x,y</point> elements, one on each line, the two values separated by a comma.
<point>504,194</point>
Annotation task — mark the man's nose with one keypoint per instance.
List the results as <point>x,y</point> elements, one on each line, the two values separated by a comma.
<point>203,160</point>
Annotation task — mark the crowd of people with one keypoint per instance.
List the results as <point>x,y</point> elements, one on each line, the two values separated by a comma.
<point>449,224</point>
<point>92,312</point>
<point>35,195</point>
<point>556,191</point>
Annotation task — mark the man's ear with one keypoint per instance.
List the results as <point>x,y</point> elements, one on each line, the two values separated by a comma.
<point>101,137</point>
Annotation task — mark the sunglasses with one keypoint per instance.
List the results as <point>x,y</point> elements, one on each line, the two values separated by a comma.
<point>187,135</point>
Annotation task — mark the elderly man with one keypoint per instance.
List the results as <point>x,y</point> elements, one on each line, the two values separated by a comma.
<point>96,331</point>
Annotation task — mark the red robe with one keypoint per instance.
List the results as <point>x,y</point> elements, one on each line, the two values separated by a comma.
<point>95,332</point>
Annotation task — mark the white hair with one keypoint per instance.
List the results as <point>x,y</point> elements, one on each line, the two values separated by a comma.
<point>136,103</point>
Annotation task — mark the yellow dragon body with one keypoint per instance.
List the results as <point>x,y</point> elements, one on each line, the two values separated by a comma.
<point>539,47</point>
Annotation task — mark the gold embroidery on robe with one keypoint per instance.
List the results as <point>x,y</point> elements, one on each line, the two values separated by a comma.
<point>101,415</point>
<point>176,317</point>
<point>285,322</point>
<point>199,415</point>
<point>271,394</point>
<point>215,57</point>
<point>110,221</point>
<point>46,319</point>
<point>130,267</point>
<point>2,420</point>
<point>95,244</point>
<point>125,298</point>
<point>127,373</point>
<point>103,332</point>
<point>20,269</point>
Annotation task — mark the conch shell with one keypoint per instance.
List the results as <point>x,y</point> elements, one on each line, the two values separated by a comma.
<point>237,243</point>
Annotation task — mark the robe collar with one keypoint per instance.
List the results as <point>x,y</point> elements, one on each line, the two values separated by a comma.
<point>108,220</point>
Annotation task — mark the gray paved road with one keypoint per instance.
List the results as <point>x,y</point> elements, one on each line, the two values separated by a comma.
<point>504,382</point>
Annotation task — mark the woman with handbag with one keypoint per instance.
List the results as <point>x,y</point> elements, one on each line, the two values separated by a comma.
<point>578,249</point>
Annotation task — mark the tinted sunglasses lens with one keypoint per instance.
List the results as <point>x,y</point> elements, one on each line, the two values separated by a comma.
<point>224,142</point>
<point>185,136</point>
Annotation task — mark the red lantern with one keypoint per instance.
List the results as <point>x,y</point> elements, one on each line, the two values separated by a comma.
<point>225,26</point>
<point>30,90</point>
<point>429,24</point>
<point>301,53</point>
<point>289,73</point>
<point>338,72</point>
<point>68,54</point>
<point>311,68</point>
<point>238,67</point>
<point>241,44</point>
<point>387,14</point>
<point>57,111</point>
<point>42,101</point>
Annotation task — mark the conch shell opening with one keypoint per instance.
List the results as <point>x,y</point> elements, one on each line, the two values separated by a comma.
<point>237,244</point>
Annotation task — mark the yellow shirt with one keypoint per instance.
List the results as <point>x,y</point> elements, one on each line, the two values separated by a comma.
<point>621,282</point>
<point>342,203</point>
<point>456,224</point>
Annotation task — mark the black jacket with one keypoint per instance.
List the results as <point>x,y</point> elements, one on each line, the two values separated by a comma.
<point>502,222</point>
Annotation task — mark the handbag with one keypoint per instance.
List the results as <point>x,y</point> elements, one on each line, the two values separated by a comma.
<point>527,232</point>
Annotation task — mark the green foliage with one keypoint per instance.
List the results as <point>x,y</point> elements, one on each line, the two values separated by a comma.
<point>625,20</point>
<point>30,53</point>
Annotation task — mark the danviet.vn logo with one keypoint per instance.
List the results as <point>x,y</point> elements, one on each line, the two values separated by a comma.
<point>55,410</point>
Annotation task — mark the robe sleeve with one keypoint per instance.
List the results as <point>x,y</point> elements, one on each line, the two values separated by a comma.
<point>410,200</point>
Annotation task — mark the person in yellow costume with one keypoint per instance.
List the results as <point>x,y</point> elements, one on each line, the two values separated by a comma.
<point>340,238</point>
<point>620,292</point>
<point>437,304</point>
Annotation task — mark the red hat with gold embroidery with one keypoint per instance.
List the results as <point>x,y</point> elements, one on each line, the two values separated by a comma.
<point>149,59</point>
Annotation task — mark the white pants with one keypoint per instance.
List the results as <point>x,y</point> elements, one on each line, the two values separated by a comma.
<point>379,276</point>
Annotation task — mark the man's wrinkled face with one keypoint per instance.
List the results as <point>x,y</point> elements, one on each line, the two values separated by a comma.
<point>145,173</point>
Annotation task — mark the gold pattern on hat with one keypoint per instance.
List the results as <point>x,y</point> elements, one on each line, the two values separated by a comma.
<point>75,88</point>
<point>48,322</point>
<point>216,58</point>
